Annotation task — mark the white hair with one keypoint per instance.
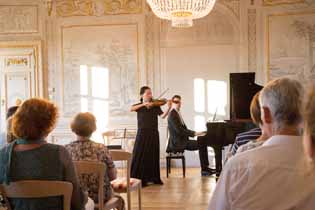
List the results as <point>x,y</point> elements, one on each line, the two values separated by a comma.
<point>284,98</point>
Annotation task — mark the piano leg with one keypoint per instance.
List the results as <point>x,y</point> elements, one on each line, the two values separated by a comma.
<point>218,158</point>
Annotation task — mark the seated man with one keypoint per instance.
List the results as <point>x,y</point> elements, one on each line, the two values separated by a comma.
<point>179,137</point>
<point>257,178</point>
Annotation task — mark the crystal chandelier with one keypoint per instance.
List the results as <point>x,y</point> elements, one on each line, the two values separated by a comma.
<point>181,12</point>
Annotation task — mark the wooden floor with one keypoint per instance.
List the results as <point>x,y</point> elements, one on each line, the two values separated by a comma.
<point>190,193</point>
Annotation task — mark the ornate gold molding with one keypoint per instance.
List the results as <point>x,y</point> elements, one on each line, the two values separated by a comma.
<point>68,8</point>
<point>279,2</point>
<point>21,61</point>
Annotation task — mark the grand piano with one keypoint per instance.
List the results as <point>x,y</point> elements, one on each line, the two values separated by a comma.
<point>222,133</point>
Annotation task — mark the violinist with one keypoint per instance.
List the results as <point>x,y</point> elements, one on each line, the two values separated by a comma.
<point>146,153</point>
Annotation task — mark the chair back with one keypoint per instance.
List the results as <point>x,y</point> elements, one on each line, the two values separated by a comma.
<point>38,189</point>
<point>121,155</point>
<point>107,136</point>
<point>93,167</point>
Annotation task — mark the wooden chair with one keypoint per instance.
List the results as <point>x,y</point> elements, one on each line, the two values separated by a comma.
<point>38,189</point>
<point>174,155</point>
<point>170,157</point>
<point>128,186</point>
<point>108,136</point>
<point>91,167</point>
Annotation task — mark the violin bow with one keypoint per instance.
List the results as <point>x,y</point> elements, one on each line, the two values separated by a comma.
<point>163,93</point>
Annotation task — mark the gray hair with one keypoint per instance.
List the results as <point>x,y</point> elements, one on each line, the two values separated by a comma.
<point>284,98</point>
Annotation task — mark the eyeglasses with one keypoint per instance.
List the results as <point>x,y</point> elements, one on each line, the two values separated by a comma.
<point>176,102</point>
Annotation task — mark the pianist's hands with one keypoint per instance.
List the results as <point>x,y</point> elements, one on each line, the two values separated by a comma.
<point>202,133</point>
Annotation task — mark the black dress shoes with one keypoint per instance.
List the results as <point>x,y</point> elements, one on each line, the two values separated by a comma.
<point>208,172</point>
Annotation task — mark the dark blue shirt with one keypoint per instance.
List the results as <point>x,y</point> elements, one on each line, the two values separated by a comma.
<point>245,137</point>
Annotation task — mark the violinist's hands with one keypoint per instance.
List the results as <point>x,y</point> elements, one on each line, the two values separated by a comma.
<point>169,104</point>
<point>148,104</point>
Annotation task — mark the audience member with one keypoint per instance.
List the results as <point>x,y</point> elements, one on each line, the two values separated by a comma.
<point>11,111</point>
<point>31,157</point>
<point>255,179</point>
<point>265,133</point>
<point>253,134</point>
<point>83,149</point>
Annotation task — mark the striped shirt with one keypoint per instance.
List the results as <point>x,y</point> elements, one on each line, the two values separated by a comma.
<point>244,138</point>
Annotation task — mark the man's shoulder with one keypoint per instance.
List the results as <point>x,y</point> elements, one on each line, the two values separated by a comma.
<point>172,113</point>
<point>249,158</point>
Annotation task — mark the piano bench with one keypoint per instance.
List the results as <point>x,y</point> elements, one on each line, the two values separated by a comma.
<point>169,158</point>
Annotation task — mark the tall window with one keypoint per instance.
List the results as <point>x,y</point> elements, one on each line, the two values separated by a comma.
<point>94,94</point>
<point>210,99</point>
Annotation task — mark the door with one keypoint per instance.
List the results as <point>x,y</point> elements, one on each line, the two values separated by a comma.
<point>17,79</point>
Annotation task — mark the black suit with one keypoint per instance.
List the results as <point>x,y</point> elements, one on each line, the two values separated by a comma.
<point>179,139</point>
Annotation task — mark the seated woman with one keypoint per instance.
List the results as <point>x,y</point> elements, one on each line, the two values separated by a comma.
<point>83,149</point>
<point>255,113</point>
<point>30,157</point>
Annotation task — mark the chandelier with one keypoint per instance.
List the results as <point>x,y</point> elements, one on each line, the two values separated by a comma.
<point>181,12</point>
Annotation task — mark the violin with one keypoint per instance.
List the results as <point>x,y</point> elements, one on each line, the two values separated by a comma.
<point>159,101</point>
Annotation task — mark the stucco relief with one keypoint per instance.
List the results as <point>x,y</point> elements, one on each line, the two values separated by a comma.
<point>252,46</point>
<point>149,42</point>
<point>292,46</point>
<point>278,2</point>
<point>113,47</point>
<point>233,5</point>
<point>18,19</point>
<point>67,8</point>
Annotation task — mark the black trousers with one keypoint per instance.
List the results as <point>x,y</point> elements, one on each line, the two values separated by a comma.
<point>193,145</point>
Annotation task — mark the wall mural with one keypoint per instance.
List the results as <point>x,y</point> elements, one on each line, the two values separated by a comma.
<point>67,8</point>
<point>292,46</point>
<point>114,47</point>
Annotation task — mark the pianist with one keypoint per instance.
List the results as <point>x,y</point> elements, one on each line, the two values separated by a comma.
<point>179,137</point>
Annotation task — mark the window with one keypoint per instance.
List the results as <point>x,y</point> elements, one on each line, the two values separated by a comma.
<point>211,94</point>
<point>94,94</point>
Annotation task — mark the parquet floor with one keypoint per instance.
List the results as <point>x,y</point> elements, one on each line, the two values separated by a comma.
<point>190,193</point>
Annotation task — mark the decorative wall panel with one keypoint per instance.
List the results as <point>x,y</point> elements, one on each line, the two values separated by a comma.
<point>114,47</point>
<point>291,45</point>
<point>18,19</point>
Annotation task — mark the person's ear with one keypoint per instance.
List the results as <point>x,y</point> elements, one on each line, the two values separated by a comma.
<point>309,146</point>
<point>312,147</point>
<point>266,115</point>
